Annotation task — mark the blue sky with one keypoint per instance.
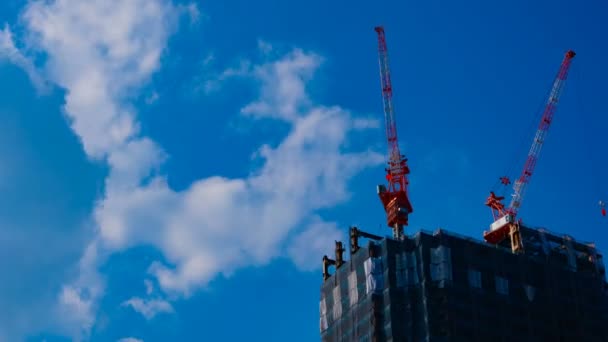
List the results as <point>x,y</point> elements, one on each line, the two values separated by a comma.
<point>175,170</point>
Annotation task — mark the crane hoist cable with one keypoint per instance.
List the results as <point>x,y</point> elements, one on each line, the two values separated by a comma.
<point>502,183</point>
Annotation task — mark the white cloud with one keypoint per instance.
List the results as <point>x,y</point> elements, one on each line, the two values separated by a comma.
<point>130,339</point>
<point>208,60</point>
<point>78,300</point>
<point>213,83</point>
<point>9,51</point>
<point>361,123</point>
<point>283,85</point>
<point>220,224</point>
<point>78,305</point>
<point>101,52</point>
<point>264,47</point>
<point>316,240</point>
<point>192,11</point>
<point>152,98</point>
<point>149,308</point>
<point>149,286</point>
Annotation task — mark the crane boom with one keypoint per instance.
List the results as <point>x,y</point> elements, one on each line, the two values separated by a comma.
<point>524,179</point>
<point>389,115</point>
<point>395,199</point>
<point>505,222</point>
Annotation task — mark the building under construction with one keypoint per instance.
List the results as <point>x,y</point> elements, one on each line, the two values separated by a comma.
<point>519,284</point>
<point>444,287</point>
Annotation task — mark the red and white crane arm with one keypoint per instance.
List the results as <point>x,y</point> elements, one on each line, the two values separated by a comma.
<point>505,217</point>
<point>522,182</point>
<point>395,198</point>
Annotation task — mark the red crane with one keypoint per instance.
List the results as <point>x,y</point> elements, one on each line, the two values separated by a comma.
<point>504,219</point>
<point>394,198</point>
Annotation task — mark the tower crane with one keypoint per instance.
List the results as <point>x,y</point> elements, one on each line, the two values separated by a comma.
<point>505,218</point>
<point>395,198</point>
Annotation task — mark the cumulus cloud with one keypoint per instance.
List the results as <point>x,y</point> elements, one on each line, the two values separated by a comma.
<point>130,339</point>
<point>219,224</point>
<point>313,242</point>
<point>149,308</point>
<point>78,299</point>
<point>9,51</point>
<point>213,81</point>
<point>101,52</point>
<point>192,11</point>
<point>152,98</point>
<point>149,286</point>
<point>283,84</point>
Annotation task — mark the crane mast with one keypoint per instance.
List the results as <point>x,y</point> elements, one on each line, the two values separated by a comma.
<point>505,218</point>
<point>394,198</point>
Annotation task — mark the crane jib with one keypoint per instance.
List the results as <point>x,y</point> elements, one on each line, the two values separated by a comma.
<point>541,133</point>
<point>500,228</point>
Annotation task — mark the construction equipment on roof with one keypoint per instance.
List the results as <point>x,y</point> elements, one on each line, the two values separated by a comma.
<point>337,262</point>
<point>326,263</point>
<point>355,234</point>
<point>395,198</point>
<point>339,254</point>
<point>505,222</point>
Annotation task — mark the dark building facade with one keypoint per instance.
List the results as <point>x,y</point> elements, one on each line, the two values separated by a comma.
<point>444,287</point>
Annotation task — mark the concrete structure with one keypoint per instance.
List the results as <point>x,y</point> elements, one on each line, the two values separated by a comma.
<point>444,287</point>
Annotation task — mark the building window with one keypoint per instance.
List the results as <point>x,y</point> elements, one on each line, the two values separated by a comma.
<point>441,264</point>
<point>374,274</point>
<point>323,312</point>
<point>337,307</point>
<point>411,271</point>
<point>530,292</point>
<point>475,278</point>
<point>502,285</point>
<point>353,292</point>
<point>401,269</point>
<point>387,330</point>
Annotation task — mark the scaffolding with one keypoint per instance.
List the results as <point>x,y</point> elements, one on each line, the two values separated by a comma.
<point>443,287</point>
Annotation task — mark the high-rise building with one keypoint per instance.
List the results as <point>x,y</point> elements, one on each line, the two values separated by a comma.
<point>445,287</point>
